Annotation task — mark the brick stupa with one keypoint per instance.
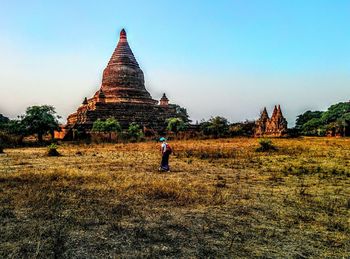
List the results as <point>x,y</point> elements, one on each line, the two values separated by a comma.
<point>122,96</point>
<point>276,126</point>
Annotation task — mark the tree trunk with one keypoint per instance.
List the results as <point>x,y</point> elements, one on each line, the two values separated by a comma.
<point>20,140</point>
<point>52,133</point>
<point>40,137</point>
<point>344,131</point>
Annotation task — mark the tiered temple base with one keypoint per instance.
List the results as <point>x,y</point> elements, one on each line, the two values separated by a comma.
<point>152,117</point>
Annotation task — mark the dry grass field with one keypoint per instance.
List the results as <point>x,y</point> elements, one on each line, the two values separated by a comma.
<point>221,199</point>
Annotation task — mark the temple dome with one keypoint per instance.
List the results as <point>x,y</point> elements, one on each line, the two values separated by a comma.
<point>123,80</point>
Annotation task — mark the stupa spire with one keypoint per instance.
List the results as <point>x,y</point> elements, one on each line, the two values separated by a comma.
<point>164,101</point>
<point>274,113</point>
<point>122,54</point>
<point>123,80</point>
<point>264,115</point>
<point>122,35</point>
<point>279,111</point>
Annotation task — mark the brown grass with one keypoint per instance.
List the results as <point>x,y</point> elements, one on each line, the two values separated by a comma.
<point>221,199</point>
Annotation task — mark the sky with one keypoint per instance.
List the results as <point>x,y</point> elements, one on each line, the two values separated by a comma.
<point>225,58</point>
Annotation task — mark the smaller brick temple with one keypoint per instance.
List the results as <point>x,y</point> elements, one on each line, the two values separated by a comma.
<point>276,126</point>
<point>122,95</point>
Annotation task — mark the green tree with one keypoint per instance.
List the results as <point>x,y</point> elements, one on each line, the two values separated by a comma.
<point>3,121</point>
<point>245,128</point>
<point>40,120</point>
<point>346,123</point>
<point>204,127</point>
<point>337,117</point>
<point>335,120</point>
<point>108,126</point>
<point>134,132</point>
<point>305,117</point>
<point>313,127</point>
<point>112,125</point>
<point>181,113</point>
<point>98,126</point>
<point>16,127</point>
<point>13,132</point>
<point>336,112</point>
<point>216,127</point>
<point>176,125</point>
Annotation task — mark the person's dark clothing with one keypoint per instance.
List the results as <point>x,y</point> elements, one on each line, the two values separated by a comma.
<point>164,165</point>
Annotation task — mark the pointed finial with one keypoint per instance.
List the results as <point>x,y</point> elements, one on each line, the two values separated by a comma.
<point>279,110</point>
<point>274,112</point>
<point>85,101</point>
<point>164,101</point>
<point>122,34</point>
<point>264,114</point>
<point>164,97</point>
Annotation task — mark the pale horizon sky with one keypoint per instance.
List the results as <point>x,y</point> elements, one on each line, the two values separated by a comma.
<point>227,58</point>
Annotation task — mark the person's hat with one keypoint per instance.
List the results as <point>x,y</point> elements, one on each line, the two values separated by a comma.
<point>162,139</point>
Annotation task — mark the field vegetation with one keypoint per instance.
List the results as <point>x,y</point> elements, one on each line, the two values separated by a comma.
<point>222,198</point>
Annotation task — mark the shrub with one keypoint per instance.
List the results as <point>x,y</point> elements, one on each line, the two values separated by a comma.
<point>266,145</point>
<point>134,132</point>
<point>52,150</point>
<point>216,127</point>
<point>176,125</point>
<point>12,134</point>
<point>111,125</point>
<point>242,129</point>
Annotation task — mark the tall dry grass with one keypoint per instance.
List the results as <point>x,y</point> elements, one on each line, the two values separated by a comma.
<point>221,199</point>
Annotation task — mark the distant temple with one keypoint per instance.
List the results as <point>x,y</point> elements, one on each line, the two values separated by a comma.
<point>122,96</point>
<point>276,126</point>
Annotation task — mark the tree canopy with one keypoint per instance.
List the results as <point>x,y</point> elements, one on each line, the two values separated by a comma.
<point>181,113</point>
<point>216,127</point>
<point>134,132</point>
<point>108,126</point>
<point>336,120</point>
<point>3,119</point>
<point>306,116</point>
<point>340,111</point>
<point>39,120</point>
<point>176,125</point>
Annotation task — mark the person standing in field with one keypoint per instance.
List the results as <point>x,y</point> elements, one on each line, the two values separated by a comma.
<point>165,151</point>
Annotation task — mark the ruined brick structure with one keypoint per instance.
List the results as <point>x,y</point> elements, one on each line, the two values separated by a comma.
<point>122,95</point>
<point>276,126</point>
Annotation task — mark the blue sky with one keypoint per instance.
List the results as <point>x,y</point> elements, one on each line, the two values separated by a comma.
<point>227,58</point>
